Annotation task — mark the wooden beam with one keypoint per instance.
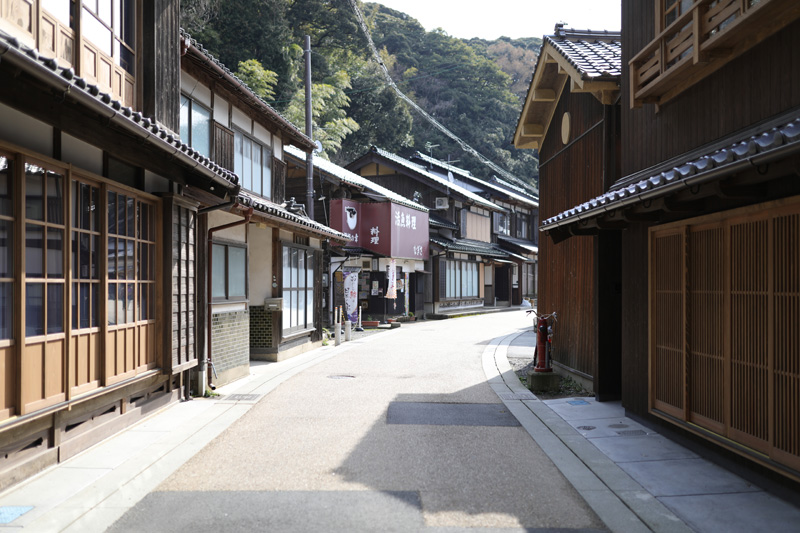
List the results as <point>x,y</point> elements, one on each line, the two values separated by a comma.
<point>544,95</point>
<point>532,130</point>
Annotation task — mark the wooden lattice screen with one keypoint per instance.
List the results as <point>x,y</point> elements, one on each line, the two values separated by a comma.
<point>725,326</point>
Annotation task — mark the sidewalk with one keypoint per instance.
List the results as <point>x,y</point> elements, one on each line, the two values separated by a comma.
<point>633,478</point>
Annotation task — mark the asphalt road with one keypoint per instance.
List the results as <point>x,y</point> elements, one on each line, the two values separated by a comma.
<point>399,433</point>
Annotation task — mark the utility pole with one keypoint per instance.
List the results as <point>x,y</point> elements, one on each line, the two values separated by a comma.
<point>310,134</point>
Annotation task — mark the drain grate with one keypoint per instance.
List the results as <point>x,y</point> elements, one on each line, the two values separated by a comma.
<point>618,426</point>
<point>341,376</point>
<point>241,398</point>
<point>631,433</point>
<point>587,428</point>
<point>516,396</point>
<point>10,513</point>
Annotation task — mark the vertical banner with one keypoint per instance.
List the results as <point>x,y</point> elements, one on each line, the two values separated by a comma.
<point>351,296</point>
<point>407,290</point>
<point>391,275</point>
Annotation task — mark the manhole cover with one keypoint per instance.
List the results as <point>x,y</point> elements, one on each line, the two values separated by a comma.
<point>240,398</point>
<point>586,428</point>
<point>516,396</point>
<point>631,433</point>
<point>618,426</point>
<point>341,376</point>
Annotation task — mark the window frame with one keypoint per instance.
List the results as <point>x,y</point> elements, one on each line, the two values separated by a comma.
<point>461,277</point>
<point>309,289</point>
<point>227,246</point>
<point>266,152</point>
<point>191,103</point>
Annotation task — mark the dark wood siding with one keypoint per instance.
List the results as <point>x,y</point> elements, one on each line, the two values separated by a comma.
<point>570,175</point>
<point>160,62</point>
<point>761,83</point>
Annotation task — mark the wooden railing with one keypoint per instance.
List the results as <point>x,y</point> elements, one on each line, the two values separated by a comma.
<point>702,39</point>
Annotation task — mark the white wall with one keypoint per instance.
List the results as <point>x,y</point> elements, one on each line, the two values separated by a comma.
<point>23,130</point>
<point>81,154</point>
<point>261,264</point>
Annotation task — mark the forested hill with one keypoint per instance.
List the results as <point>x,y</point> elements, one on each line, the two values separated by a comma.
<point>473,87</point>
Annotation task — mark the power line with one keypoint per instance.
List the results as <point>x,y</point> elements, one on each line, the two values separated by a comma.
<point>464,146</point>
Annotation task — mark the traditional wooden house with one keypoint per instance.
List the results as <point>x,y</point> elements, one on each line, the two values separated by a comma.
<point>710,205</point>
<point>461,248</point>
<point>514,230</point>
<point>571,115</point>
<point>383,228</point>
<point>102,267</point>
<point>262,254</point>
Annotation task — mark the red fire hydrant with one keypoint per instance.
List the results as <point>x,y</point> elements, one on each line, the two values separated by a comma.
<point>542,359</point>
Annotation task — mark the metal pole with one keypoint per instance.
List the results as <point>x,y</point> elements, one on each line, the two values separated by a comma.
<point>310,134</point>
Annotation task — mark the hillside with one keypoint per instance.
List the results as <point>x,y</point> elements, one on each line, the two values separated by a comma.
<point>474,87</point>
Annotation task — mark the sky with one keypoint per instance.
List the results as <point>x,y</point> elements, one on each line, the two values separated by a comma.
<point>490,19</point>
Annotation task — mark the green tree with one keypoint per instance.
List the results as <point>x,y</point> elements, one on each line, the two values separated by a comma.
<point>260,80</point>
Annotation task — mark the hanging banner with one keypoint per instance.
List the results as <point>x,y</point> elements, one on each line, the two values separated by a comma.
<point>391,275</point>
<point>351,296</point>
<point>407,291</point>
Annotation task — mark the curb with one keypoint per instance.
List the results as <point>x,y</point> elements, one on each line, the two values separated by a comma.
<point>621,503</point>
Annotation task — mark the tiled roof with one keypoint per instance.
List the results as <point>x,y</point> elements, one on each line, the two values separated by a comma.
<point>521,243</point>
<point>466,175</point>
<point>435,221</point>
<point>422,171</point>
<point>282,122</point>
<point>270,209</point>
<point>486,249</point>
<point>596,54</point>
<point>353,179</point>
<point>133,121</point>
<point>773,140</point>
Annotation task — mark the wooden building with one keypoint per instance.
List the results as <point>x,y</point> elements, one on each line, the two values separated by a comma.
<point>383,229</point>
<point>262,253</point>
<point>461,248</point>
<point>514,230</point>
<point>103,268</point>
<point>709,212</point>
<point>571,115</point>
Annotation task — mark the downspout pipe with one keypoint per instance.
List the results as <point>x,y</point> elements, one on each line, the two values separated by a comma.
<point>207,360</point>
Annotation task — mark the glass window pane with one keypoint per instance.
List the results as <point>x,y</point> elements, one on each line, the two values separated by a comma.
<point>256,168</point>
<point>141,305</point>
<point>237,269</point>
<point>310,306</point>
<point>121,303</point>
<point>238,160</point>
<point>131,217</point>
<point>6,249</point>
<point>201,129</point>
<point>144,222</point>
<point>301,308</point>
<point>104,11</point>
<point>55,198</point>
<point>94,303</point>
<point>6,309</point>
<point>184,119</point>
<point>6,186</point>
<point>218,264</point>
<point>127,25</point>
<point>34,309</point>
<point>122,201</point>
<point>34,192</point>
<point>266,172</point>
<point>112,304</point>
<point>55,253</point>
<point>130,258</point>
<point>75,301</point>
<point>93,258</point>
<point>112,258</point>
<point>86,207</point>
<point>247,165</point>
<point>129,308</point>
<point>59,9</point>
<point>84,299</point>
<point>112,213</point>
<point>55,308</point>
<point>287,268</point>
<point>34,251</point>
<point>94,31</point>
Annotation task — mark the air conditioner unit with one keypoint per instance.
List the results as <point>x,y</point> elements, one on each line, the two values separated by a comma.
<point>442,202</point>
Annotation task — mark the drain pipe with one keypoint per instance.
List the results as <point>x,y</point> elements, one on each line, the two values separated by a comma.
<point>209,275</point>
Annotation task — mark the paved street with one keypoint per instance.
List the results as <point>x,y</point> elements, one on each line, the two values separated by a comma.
<point>395,434</point>
<point>422,428</point>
